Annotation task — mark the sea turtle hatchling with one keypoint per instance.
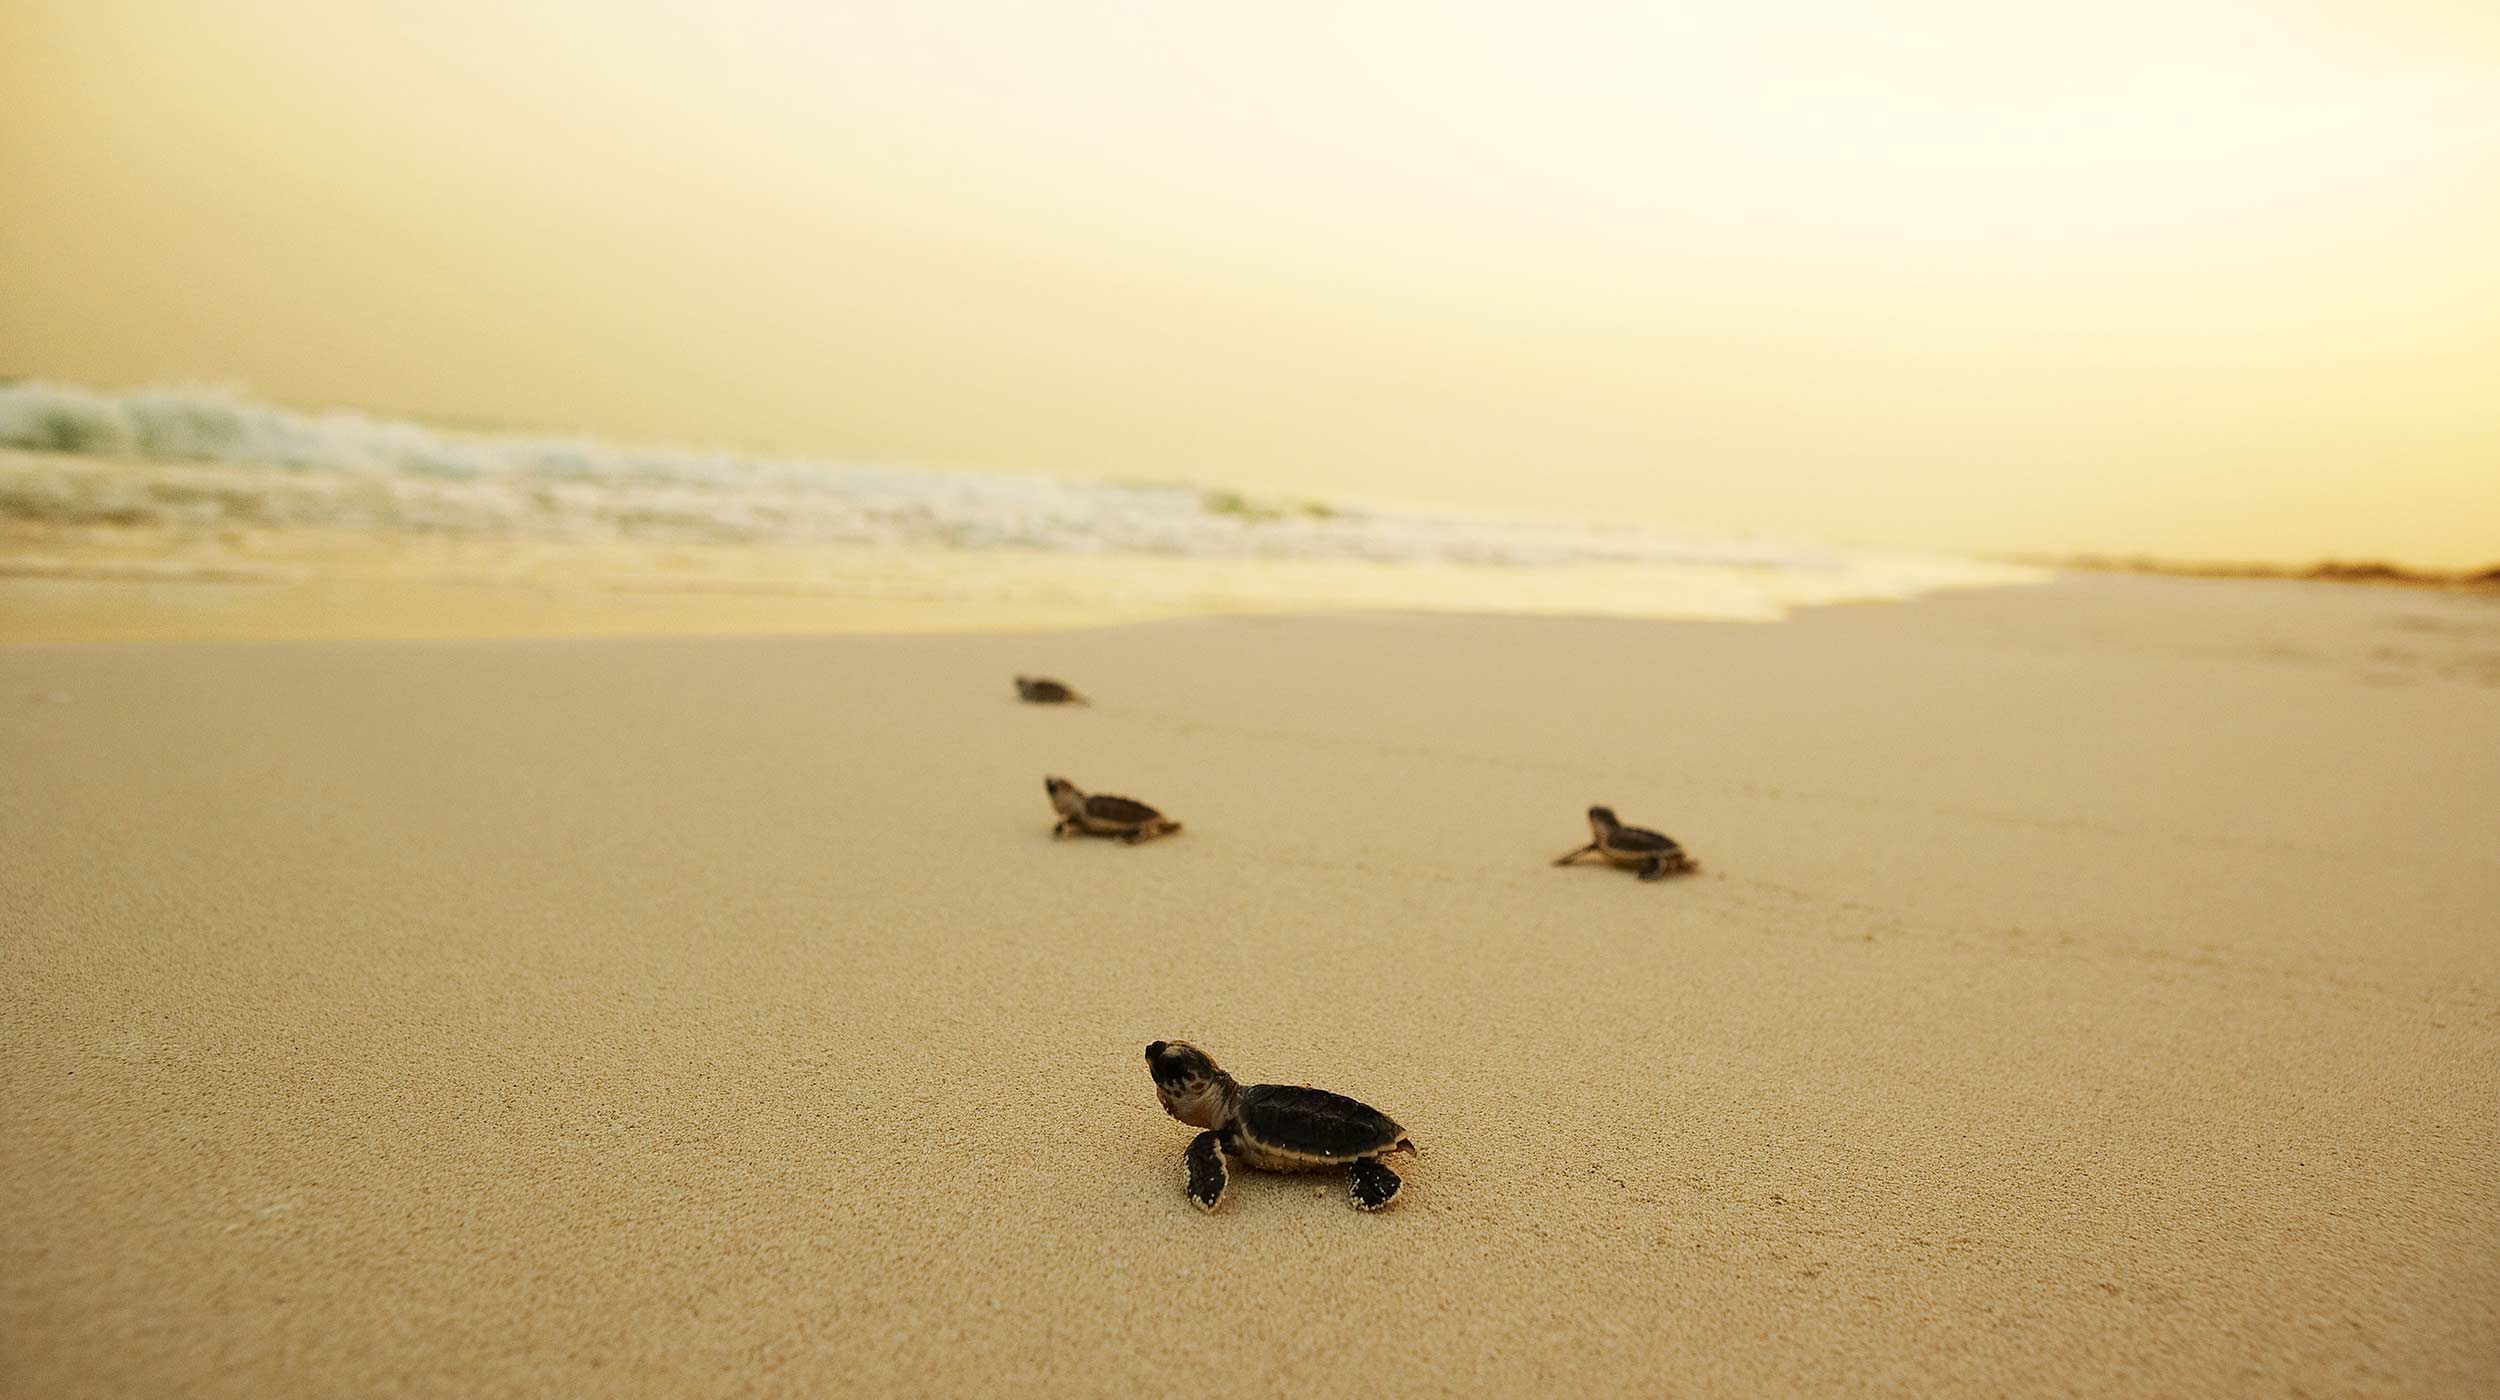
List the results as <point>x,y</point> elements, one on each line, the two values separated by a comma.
<point>1273,1127</point>
<point>1041,690</point>
<point>1104,815</point>
<point>1652,853</point>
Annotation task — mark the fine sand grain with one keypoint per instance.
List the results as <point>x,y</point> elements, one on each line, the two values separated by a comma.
<point>2091,988</point>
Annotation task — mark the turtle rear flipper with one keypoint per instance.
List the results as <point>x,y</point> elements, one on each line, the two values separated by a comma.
<point>1659,867</point>
<point>1206,1170</point>
<point>1160,826</point>
<point>1372,1185</point>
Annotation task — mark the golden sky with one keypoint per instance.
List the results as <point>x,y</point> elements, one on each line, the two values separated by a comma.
<point>2174,276</point>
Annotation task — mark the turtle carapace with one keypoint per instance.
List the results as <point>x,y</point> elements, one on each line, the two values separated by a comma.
<point>1041,690</point>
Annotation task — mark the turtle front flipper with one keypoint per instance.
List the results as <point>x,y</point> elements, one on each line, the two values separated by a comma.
<point>1206,1170</point>
<point>1372,1185</point>
<point>1568,857</point>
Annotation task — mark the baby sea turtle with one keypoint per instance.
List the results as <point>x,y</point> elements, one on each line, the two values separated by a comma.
<point>1041,690</point>
<point>1274,1127</point>
<point>1652,853</point>
<point>1105,815</point>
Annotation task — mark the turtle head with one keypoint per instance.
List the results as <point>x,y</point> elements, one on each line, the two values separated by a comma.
<point>1602,820</point>
<point>1189,1084</point>
<point>1064,795</point>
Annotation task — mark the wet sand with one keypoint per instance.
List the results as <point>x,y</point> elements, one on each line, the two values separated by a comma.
<point>2089,988</point>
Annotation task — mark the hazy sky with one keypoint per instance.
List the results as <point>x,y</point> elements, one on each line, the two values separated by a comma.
<point>2202,279</point>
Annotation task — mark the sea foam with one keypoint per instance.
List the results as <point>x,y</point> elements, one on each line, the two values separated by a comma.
<point>186,457</point>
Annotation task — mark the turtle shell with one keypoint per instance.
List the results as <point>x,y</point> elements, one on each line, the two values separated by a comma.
<point>1315,1123</point>
<point>1640,838</point>
<point>1103,807</point>
<point>1048,692</point>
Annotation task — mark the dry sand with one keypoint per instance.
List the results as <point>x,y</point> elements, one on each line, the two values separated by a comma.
<point>2093,988</point>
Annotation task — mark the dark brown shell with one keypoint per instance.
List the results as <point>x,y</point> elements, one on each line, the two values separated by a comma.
<point>1104,807</point>
<point>1315,1123</point>
<point>1641,838</point>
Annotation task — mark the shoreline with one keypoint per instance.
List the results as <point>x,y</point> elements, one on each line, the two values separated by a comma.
<point>68,584</point>
<point>2368,572</point>
<point>132,605</point>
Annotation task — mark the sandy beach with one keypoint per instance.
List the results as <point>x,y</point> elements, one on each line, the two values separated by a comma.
<point>2089,989</point>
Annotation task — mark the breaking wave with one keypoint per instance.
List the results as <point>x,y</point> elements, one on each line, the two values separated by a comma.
<point>194,460</point>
